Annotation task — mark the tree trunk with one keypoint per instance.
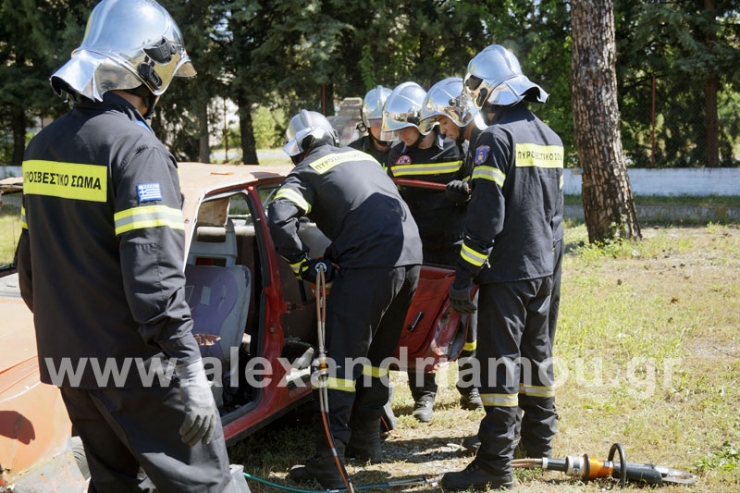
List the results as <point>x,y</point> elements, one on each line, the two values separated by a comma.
<point>608,204</point>
<point>18,126</point>
<point>204,149</point>
<point>710,93</point>
<point>249,147</point>
<point>712,121</point>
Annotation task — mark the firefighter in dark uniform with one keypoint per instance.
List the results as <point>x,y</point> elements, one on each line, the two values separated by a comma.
<point>424,154</point>
<point>372,118</point>
<point>100,264</point>
<point>510,233</point>
<point>375,244</point>
<point>460,121</point>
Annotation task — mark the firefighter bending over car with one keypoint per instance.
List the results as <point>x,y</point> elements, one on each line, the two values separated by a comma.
<point>374,261</point>
<point>511,230</point>
<point>424,154</point>
<point>101,263</point>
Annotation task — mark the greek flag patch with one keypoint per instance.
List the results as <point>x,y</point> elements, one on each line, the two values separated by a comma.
<point>148,192</point>
<point>481,154</point>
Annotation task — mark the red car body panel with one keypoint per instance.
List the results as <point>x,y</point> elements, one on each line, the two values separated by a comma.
<point>34,427</point>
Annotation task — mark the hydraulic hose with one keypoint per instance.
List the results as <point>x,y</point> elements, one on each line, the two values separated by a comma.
<point>324,373</point>
<point>428,480</point>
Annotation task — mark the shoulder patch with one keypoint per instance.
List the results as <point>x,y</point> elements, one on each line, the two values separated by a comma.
<point>481,154</point>
<point>148,192</point>
<point>405,159</point>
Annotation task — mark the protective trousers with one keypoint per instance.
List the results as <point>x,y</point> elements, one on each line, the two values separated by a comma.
<point>124,430</point>
<point>365,313</point>
<point>514,351</point>
<point>466,369</point>
<point>552,323</point>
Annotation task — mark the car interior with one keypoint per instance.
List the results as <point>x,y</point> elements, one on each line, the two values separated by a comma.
<point>225,276</point>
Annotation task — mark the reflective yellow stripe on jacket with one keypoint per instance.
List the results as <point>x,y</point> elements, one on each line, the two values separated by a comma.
<point>473,257</point>
<point>148,216</point>
<point>489,173</point>
<point>333,383</point>
<point>326,163</point>
<point>425,169</point>
<point>374,371</point>
<point>470,346</point>
<point>295,197</point>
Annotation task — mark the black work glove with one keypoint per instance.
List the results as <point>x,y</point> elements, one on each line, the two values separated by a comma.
<point>311,271</point>
<point>460,297</point>
<point>458,191</point>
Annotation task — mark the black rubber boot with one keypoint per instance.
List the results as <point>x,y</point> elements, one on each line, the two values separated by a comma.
<point>471,444</point>
<point>476,477</point>
<point>423,395</point>
<point>424,409</point>
<point>322,468</point>
<point>364,443</point>
<point>470,398</point>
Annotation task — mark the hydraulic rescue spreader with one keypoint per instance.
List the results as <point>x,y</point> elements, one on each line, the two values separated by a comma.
<point>588,468</point>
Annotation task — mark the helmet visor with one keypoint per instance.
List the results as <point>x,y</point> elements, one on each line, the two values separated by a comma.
<point>476,90</point>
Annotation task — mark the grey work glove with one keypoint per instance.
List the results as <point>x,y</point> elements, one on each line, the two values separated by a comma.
<point>201,414</point>
<point>460,298</point>
<point>458,191</point>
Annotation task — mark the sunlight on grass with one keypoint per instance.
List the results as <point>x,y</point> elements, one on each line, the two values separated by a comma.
<point>10,230</point>
<point>647,354</point>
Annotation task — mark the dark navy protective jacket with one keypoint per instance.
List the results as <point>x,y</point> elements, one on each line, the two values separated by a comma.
<point>439,219</point>
<point>516,209</point>
<point>353,202</point>
<point>365,144</point>
<point>101,252</point>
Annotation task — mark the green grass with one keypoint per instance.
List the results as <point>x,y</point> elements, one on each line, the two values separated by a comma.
<point>648,355</point>
<point>10,230</point>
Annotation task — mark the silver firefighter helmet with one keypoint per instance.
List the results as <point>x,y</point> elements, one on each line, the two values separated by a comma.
<point>306,130</point>
<point>403,109</point>
<point>372,106</point>
<point>127,43</point>
<point>495,76</point>
<point>447,98</point>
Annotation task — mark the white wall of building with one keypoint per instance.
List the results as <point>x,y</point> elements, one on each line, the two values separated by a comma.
<point>673,181</point>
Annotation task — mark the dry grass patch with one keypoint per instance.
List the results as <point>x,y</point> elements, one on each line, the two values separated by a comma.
<point>648,351</point>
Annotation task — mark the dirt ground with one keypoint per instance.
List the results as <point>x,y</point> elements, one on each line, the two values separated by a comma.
<point>675,297</point>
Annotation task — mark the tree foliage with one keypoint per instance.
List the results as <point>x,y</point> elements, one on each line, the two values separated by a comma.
<point>667,42</point>
<point>293,54</point>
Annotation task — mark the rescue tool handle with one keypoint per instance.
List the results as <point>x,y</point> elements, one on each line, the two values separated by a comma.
<point>645,473</point>
<point>420,184</point>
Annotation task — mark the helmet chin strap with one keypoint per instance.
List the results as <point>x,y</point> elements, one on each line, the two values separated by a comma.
<point>150,100</point>
<point>419,140</point>
<point>299,157</point>
<point>379,142</point>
